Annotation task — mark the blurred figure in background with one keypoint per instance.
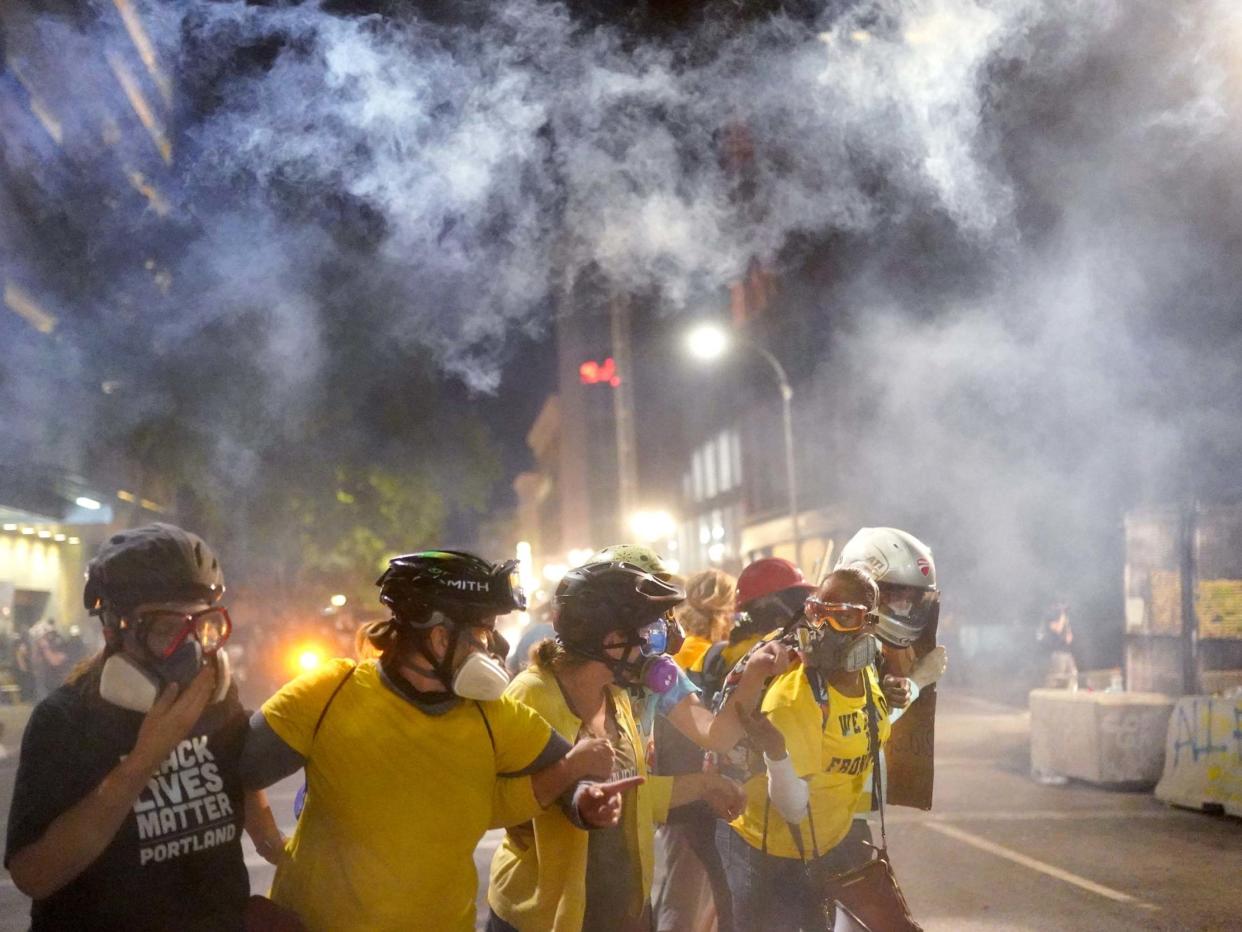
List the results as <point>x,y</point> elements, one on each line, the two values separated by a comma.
<point>49,662</point>
<point>1056,638</point>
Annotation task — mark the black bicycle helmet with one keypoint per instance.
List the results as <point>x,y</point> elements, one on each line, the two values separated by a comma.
<point>154,563</point>
<point>597,598</point>
<point>460,585</point>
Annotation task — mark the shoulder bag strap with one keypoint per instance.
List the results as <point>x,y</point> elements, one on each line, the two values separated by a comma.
<point>486,724</point>
<point>877,775</point>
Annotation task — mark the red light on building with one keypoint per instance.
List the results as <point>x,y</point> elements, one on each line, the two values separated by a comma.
<point>599,373</point>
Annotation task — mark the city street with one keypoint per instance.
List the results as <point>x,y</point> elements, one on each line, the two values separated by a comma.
<point>998,852</point>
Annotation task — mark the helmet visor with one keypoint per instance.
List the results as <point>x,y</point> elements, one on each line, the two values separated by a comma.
<point>907,604</point>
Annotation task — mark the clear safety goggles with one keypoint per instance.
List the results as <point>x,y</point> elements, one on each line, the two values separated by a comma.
<point>840,616</point>
<point>162,631</point>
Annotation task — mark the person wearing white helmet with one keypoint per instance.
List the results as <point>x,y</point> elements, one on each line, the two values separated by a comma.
<point>904,569</point>
<point>907,610</point>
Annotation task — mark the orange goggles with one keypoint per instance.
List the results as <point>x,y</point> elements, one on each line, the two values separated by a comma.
<point>840,616</point>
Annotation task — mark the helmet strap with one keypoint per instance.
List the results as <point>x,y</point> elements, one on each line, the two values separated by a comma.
<point>624,672</point>
<point>442,668</point>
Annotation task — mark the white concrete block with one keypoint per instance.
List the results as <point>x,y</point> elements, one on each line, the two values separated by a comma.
<point>1100,737</point>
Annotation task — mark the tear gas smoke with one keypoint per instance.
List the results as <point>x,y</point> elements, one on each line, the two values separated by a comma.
<point>1033,203</point>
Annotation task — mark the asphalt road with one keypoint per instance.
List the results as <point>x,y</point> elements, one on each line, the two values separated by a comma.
<point>998,852</point>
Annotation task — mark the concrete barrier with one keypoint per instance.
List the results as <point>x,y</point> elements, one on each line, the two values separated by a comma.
<point>1203,755</point>
<point>1109,738</point>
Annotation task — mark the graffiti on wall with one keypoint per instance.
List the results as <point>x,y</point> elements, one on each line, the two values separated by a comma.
<point>1203,755</point>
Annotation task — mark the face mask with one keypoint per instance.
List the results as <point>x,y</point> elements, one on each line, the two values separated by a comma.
<point>835,652</point>
<point>659,673</point>
<point>125,683</point>
<point>480,677</point>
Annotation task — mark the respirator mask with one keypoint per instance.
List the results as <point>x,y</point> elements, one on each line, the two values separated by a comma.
<point>657,671</point>
<point>482,676</point>
<point>653,669</point>
<point>835,637</point>
<point>174,646</point>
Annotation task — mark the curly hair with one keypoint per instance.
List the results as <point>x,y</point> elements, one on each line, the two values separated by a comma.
<point>708,609</point>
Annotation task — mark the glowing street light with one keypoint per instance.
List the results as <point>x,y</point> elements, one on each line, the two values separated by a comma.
<point>338,600</point>
<point>652,526</point>
<point>708,342</point>
<point>88,503</point>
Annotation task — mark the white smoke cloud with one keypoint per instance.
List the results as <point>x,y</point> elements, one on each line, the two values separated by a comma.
<point>1035,203</point>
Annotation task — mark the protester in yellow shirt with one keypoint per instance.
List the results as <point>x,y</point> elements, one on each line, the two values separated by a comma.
<point>412,757</point>
<point>707,614</point>
<point>820,721</point>
<point>768,597</point>
<point>611,631</point>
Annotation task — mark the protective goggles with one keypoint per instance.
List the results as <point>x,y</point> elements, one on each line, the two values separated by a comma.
<point>162,632</point>
<point>840,616</point>
<point>654,638</point>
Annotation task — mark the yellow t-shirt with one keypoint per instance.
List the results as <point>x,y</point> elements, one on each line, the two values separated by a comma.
<point>397,800</point>
<point>829,748</point>
<point>690,657</point>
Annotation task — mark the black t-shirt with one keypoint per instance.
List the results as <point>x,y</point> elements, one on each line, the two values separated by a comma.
<point>176,862</point>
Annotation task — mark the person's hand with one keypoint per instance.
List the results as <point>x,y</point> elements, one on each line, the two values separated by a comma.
<point>931,666</point>
<point>726,797</point>
<point>591,758</point>
<point>762,733</point>
<point>171,718</point>
<point>271,849</point>
<point>896,691</point>
<point>770,659</point>
<point>599,804</point>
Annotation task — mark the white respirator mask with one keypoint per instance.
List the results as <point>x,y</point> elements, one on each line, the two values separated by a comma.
<point>480,677</point>
<point>125,683</point>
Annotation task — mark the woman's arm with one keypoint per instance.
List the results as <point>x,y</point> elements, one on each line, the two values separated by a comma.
<point>79,835</point>
<point>262,828</point>
<point>589,759</point>
<point>789,793</point>
<point>721,731</point>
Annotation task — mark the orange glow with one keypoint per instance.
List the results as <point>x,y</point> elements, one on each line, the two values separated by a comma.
<point>597,373</point>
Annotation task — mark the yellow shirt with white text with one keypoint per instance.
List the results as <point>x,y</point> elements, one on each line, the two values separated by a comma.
<point>829,748</point>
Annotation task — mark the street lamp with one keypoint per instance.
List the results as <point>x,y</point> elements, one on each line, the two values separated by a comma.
<point>709,342</point>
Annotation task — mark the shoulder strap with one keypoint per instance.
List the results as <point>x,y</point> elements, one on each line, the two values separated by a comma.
<point>877,774</point>
<point>486,724</point>
<point>327,705</point>
<point>713,667</point>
